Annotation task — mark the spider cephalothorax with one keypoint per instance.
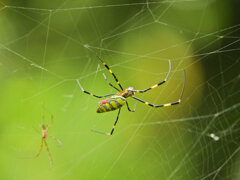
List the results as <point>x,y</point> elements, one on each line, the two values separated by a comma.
<point>44,133</point>
<point>127,93</point>
<point>117,100</point>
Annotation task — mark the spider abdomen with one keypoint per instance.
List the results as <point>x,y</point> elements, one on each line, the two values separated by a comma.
<point>111,104</point>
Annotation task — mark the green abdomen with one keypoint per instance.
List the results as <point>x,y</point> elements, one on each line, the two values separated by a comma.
<point>111,104</point>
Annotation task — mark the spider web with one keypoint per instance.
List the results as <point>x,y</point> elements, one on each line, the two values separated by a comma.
<point>42,52</point>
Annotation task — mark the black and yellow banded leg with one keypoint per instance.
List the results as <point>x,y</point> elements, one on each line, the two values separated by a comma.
<point>49,155</point>
<point>156,85</point>
<point>91,94</point>
<point>167,104</point>
<point>160,105</point>
<point>105,66</point>
<point>110,83</point>
<point>114,126</point>
<point>117,81</point>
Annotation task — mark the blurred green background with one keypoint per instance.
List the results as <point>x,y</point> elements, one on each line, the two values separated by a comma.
<point>42,54</point>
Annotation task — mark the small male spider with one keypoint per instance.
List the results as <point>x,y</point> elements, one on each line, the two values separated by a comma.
<point>117,100</point>
<point>44,135</point>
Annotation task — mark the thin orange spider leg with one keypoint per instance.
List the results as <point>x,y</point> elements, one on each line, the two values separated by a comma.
<point>41,147</point>
<point>49,155</point>
<point>56,139</point>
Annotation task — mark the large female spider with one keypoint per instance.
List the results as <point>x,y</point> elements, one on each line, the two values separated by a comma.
<point>117,100</point>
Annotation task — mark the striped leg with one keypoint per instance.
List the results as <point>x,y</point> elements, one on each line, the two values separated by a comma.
<point>168,104</point>
<point>156,85</point>
<point>93,94</point>
<point>114,126</point>
<point>157,106</point>
<point>110,83</point>
<point>118,90</point>
<point>49,155</point>
<point>106,67</point>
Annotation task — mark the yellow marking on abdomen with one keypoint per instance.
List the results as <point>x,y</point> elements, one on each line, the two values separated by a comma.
<point>165,105</point>
<point>108,106</point>
<point>114,105</point>
<point>103,108</point>
<point>122,102</point>
<point>110,71</point>
<point>99,110</point>
<point>146,103</point>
